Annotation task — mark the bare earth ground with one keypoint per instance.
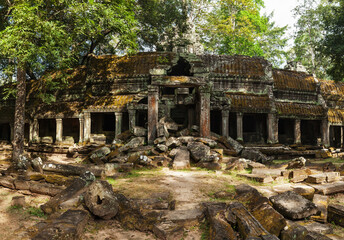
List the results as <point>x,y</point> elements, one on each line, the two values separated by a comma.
<point>188,188</point>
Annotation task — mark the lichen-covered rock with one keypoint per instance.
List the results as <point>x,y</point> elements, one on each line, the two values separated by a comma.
<point>173,142</point>
<point>209,142</point>
<point>37,164</point>
<point>255,155</point>
<point>297,163</point>
<point>100,154</point>
<point>294,232</point>
<point>162,148</point>
<point>101,200</point>
<point>133,143</point>
<point>182,159</point>
<point>293,206</point>
<point>198,150</point>
<point>139,131</point>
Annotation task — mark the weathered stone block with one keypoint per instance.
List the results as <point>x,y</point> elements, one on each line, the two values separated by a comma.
<point>336,214</point>
<point>182,159</point>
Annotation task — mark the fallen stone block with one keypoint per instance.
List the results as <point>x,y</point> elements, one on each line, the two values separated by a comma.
<point>168,230</point>
<point>304,190</point>
<point>133,143</point>
<point>187,218</point>
<point>329,188</point>
<point>249,196</point>
<point>297,163</point>
<point>316,236</point>
<point>173,142</point>
<point>294,232</point>
<point>181,159</point>
<point>299,175</point>
<point>336,214</point>
<point>220,228</point>
<point>198,150</point>
<point>257,177</point>
<point>139,131</point>
<point>45,188</point>
<point>319,228</point>
<point>293,206</point>
<point>230,143</point>
<point>255,155</point>
<point>7,182</point>
<point>316,178</point>
<point>321,202</point>
<point>99,155</point>
<point>269,218</point>
<point>70,225</point>
<point>267,171</point>
<point>332,177</point>
<point>210,165</point>
<point>67,169</point>
<point>76,188</point>
<point>248,226</point>
<point>101,200</point>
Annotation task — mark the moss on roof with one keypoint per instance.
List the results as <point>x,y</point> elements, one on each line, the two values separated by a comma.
<point>294,81</point>
<point>332,90</point>
<point>249,102</point>
<point>299,109</point>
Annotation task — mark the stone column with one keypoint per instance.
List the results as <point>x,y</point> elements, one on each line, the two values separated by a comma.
<point>81,130</point>
<point>132,118</point>
<point>191,117</point>
<point>59,130</point>
<point>272,128</point>
<point>239,118</point>
<point>204,112</point>
<point>225,123</point>
<point>325,133</point>
<point>118,129</point>
<point>297,131</point>
<point>87,127</point>
<point>341,136</point>
<point>153,117</point>
<point>34,131</point>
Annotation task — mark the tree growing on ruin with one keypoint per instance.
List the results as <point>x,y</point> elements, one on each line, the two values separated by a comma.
<point>38,36</point>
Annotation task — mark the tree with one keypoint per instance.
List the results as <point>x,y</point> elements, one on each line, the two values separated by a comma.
<point>237,27</point>
<point>55,34</point>
<point>309,34</point>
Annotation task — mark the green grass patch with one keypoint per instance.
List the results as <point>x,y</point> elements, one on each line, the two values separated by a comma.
<point>37,212</point>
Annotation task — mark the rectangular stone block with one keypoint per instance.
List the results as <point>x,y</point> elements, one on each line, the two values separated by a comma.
<point>321,202</point>
<point>316,178</point>
<point>256,177</point>
<point>299,175</point>
<point>336,214</point>
<point>329,188</point>
<point>332,177</point>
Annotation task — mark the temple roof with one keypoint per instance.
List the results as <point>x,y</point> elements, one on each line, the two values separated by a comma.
<point>293,81</point>
<point>249,102</point>
<point>299,109</point>
<point>332,90</point>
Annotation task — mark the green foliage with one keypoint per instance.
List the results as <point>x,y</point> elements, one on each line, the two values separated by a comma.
<point>37,212</point>
<point>309,36</point>
<point>237,27</point>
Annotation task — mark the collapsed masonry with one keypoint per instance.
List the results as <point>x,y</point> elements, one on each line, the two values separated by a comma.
<point>238,96</point>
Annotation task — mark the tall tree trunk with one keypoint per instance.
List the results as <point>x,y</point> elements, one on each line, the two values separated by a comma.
<point>19,116</point>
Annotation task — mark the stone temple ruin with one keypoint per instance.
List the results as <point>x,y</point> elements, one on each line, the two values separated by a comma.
<point>238,96</point>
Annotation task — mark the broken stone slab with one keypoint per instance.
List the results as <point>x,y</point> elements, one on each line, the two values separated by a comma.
<point>210,165</point>
<point>294,231</point>
<point>168,230</point>
<point>238,164</point>
<point>198,150</point>
<point>293,206</point>
<point>316,178</point>
<point>38,187</point>
<point>162,148</point>
<point>248,226</point>
<point>7,182</point>
<point>70,225</point>
<point>270,219</point>
<point>336,214</point>
<point>267,171</point>
<point>67,169</point>
<point>329,188</point>
<point>209,142</point>
<point>186,218</point>
<point>173,142</point>
<point>297,163</point>
<point>319,228</point>
<point>37,164</point>
<point>332,177</point>
<point>182,159</point>
<point>101,200</point>
<point>230,143</point>
<point>257,177</point>
<point>139,131</point>
<point>249,196</point>
<point>133,143</point>
<point>160,140</point>
<point>321,202</point>
<point>299,175</point>
<point>304,190</point>
<point>99,155</point>
<point>75,189</point>
<point>316,236</point>
<point>255,155</point>
<point>220,228</point>
<point>186,139</point>
<point>169,124</point>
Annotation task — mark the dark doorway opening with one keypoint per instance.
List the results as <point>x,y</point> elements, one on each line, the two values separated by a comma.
<point>47,128</point>
<point>335,136</point>
<point>254,128</point>
<point>71,128</point>
<point>310,132</point>
<point>232,125</point>
<point>182,68</point>
<point>286,131</point>
<point>125,121</point>
<point>179,114</point>
<point>103,125</point>
<point>142,118</point>
<point>5,132</point>
<point>216,121</point>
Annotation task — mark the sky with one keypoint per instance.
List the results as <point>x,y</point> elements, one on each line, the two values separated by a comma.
<point>282,12</point>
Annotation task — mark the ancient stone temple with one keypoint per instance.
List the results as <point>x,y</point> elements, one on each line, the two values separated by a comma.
<point>238,96</point>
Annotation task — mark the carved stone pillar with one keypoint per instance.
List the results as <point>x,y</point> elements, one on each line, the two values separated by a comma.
<point>204,112</point>
<point>12,131</point>
<point>118,129</point>
<point>34,131</point>
<point>272,128</point>
<point>132,118</point>
<point>239,118</point>
<point>297,131</point>
<point>87,126</point>
<point>325,133</point>
<point>225,123</point>
<point>153,117</point>
<point>81,130</point>
<point>341,136</point>
<point>59,130</point>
